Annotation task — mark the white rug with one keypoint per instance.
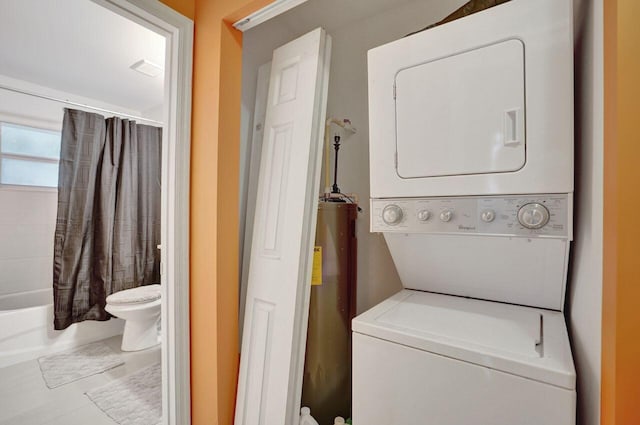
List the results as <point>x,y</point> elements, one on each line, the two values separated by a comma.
<point>134,399</point>
<point>81,362</point>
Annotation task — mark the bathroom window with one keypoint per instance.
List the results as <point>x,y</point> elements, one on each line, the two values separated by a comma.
<point>29,156</point>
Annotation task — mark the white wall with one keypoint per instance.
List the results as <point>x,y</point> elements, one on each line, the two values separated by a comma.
<point>28,215</point>
<point>585,285</point>
<point>155,113</point>
<point>27,223</point>
<point>377,276</point>
<point>348,98</point>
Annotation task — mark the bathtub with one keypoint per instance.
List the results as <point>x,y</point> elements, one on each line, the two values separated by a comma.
<point>26,328</point>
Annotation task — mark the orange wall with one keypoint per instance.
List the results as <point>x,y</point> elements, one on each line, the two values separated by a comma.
<point>185,7</point>
<point>621,292</point>
<point>214,204</point>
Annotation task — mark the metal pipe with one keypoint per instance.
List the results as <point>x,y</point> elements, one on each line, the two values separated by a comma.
<point>81,105</point>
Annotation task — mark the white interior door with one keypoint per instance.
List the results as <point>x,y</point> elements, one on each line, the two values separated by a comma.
<point>259,115</point>
<point>277,304</point>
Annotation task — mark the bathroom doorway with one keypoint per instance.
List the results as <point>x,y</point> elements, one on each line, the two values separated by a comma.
<point>26,103</point>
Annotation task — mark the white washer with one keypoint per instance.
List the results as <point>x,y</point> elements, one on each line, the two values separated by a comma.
<point>425,357</point>
<point>422,358</point>
<point>471,158</point>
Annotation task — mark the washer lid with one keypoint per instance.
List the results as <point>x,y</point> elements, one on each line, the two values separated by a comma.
<point>523,341</point>
<point>141,294</point>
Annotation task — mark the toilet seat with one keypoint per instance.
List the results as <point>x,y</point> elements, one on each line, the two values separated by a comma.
<point>139,295</point>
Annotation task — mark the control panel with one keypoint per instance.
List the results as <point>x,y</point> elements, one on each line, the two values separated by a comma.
<point>517,215</point>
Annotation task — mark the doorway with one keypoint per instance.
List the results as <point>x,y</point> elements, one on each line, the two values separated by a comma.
<point>174,115</point>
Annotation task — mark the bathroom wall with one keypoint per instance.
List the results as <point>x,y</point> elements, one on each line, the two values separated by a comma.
<point>377,276</point>
<point>27,223</point>
<point>153,113</point>
<point>584,306</point>
<point>28,214</point>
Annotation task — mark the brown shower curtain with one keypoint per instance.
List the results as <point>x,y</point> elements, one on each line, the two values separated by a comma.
<point>108,224</point>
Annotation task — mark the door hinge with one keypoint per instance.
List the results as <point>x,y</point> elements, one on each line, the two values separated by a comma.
<point>394,92</point>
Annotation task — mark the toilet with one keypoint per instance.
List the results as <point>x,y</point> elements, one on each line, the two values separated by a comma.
<point>140,308</point>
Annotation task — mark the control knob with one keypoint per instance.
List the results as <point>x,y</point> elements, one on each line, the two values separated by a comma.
<point>392,214</point>
<point>446,215</point>
<point>488,216</point>
<point>533,215</point>
<point>424,215</point>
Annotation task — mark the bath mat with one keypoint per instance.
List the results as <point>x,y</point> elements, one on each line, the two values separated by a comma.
<point>68,366</point>
<point>132,400</point>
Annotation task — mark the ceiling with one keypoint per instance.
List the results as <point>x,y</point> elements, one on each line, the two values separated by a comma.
<point>79,47</point>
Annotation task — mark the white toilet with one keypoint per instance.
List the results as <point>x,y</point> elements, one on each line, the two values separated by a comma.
<point>140,308</point>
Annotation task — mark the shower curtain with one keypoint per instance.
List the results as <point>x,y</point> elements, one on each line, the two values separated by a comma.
<point>108,223</point>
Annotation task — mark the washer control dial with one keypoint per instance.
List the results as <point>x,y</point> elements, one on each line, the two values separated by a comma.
<point>424,215</point>
<point>392,214</point>
<point>488,216</point>
<point>533,215</point>
<point>446,215</point>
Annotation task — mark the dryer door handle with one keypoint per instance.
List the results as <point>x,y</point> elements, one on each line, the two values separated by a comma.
<point>513,126</point>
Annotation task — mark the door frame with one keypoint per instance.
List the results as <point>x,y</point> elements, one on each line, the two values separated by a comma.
<point>176,151</point>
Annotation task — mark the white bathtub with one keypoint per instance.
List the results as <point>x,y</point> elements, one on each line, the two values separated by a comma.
<point>26,328</point>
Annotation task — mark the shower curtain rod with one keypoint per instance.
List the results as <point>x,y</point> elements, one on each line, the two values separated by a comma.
<point>81,105</point>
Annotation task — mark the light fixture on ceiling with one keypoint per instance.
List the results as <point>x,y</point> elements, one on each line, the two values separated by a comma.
<point>272,10</point>
<point>147,68</point>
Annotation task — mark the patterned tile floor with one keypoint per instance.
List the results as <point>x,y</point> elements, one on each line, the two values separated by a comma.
<point>26,400</point>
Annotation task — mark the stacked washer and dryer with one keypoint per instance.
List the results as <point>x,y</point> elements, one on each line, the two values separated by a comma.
<point>471,155</point>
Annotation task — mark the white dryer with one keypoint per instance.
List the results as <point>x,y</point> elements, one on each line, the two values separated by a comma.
<point>481,105</point>
<point>471,158</point>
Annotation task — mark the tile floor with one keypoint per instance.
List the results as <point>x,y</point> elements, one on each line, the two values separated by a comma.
<point>26,400</point>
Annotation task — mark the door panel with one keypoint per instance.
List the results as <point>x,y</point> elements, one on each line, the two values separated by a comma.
<point>276,312</point>
<point>259,115</point>
<point>463,114</point>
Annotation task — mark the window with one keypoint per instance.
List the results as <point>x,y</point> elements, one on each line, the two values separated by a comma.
<point>29,156</point>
